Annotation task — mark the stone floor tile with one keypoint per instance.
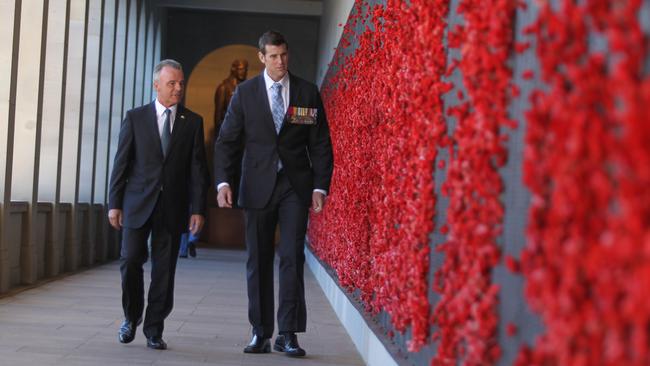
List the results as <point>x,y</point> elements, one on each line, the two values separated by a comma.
<point>74,321</point>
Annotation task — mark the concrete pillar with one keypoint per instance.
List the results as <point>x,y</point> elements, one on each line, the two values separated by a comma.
<point>26,150</point>
<point>27,99</point>
<point>90,98</point>
<point>157,43</point>
<point>52,124</point>
<point>86,162</point>
<point>335,12</point>
<point>148,55</point>
<point>105,100</point>
<point>7,9</point>
<point>131,54</point>
<point>73,102</point>
<point>8,55</point>
<point>73,110</point>
<point>118,80</point>
<point>140,54</point>
<point>52,93</point>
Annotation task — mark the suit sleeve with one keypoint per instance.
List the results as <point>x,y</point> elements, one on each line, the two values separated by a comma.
<point>228,145</point>
<point>320,149</point>
<point>121,164</point>
<point>199,172</point>
<point>219,100</point>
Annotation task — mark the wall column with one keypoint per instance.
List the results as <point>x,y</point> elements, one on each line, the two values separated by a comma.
<point>9,31</point>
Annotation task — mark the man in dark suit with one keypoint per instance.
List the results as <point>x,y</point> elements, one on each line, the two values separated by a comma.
<point>160,170</point>
<point>286,168</point>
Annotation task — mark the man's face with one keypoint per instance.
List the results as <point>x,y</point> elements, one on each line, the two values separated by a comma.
<point>169,86</point>
<point>276,60</point>
<point>240,71</point>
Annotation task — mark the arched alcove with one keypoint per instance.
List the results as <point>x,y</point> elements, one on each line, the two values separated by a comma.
<point>224,226</point>
<point>208,74</point>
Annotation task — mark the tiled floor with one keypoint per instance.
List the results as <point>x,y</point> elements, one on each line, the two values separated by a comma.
<point>74,321</point>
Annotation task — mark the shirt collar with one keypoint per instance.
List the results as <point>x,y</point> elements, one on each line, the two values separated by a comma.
<point>269,82</point>
<point>160,109</point>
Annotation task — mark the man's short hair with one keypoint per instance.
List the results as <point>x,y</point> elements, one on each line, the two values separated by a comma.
<point>168,62</point>
<point>272,38</point>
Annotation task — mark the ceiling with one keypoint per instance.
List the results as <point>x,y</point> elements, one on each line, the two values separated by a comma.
<point>292,7</point>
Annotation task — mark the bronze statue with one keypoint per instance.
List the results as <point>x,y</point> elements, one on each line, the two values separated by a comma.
<point>238,73</point>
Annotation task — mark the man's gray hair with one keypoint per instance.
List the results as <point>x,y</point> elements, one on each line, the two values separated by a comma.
<point>168,62</point>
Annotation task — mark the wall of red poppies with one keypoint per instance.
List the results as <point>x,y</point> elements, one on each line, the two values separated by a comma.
<point>586,254</point>
<point>587,165</point>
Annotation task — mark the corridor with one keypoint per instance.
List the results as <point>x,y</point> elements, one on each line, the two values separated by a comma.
<point>73,320</point>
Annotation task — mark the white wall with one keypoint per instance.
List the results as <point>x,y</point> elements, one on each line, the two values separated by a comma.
<point>27,85</point>
<point>335,12</point>
<point>7,8</point>
<point>67,67</point>
<point>73,101</point>
<point>91,84</point>
<point>105,100</point>
<point>52,90</point>
<point>61,108</point>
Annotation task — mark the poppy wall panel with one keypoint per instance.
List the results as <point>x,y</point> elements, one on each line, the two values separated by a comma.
<point>519,110</point>
<point>587,165</point>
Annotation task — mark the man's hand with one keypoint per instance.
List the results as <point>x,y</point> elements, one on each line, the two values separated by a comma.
<point>224,197</point>
<point>317,201</point>
<point>115,218</point>
<point>196,224</point>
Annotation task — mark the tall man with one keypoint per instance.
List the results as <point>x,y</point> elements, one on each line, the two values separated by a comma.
<point>160,170</point>
<point>287,167</point>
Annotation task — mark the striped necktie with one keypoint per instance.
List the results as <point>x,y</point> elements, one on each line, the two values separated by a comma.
<point>277,109</point>
<point>277,106</point>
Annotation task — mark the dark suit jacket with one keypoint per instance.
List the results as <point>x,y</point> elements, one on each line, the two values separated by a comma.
<point>141,173</point>
<point>305,150</point>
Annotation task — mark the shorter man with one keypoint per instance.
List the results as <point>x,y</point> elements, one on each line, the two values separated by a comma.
<point>160,171</point>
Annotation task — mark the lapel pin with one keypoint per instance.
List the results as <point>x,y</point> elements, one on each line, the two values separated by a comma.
<point>182,116</point>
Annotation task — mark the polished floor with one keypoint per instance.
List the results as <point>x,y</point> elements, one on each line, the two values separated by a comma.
<point>74,320</point>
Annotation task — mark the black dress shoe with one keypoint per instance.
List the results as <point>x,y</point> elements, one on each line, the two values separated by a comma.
<point>192,250</point>
<point>288,343</point>
<point>258,345</point>
<point>127,331</point>
<point>156,343</point>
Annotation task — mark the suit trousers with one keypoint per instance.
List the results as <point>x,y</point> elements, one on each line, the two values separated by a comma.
<point>133,255</point>
<point>286,209</point>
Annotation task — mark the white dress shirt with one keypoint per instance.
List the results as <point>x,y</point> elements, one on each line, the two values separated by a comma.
<point>160,116</point>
